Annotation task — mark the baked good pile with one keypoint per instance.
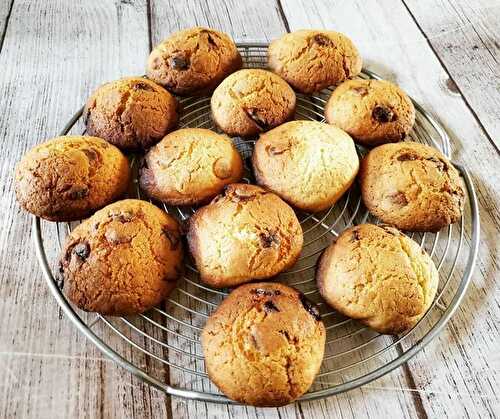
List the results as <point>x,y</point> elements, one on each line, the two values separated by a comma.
<point>264,344</point>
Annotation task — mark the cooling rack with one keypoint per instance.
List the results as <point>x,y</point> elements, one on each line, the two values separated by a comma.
<point>162,346</point>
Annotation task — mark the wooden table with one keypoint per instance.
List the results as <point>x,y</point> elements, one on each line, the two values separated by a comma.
<point>445,53</point>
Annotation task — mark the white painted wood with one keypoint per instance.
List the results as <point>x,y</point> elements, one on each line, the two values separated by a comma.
<point>458,374</point>
<point>56,52</point>
<point>466,36</point>
<point>53,55</point>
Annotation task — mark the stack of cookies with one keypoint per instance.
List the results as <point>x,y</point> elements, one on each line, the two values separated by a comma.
<point>264,344</point>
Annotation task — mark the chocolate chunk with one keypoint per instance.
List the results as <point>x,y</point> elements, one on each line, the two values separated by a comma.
<point>311,308</point>
<point>383,114</point>
<point>268,239</point>
<point>179,63</point>
<point>143,86</point>
<point>362,91</point>
<point>172,236</point>
<point>211,40</point>
<point>82,250</point>
<point>240,195</point>
<point>441,165</point>
<point>123,217</point>
<point>253,114</point>
<point>269,306</point>
<point>408,156</point>
<point>91,154</point>
<point>399,198</point>
<point>355,236</point>
<point>268,293</point>
<point>78,192</point>
<point>322,40</point>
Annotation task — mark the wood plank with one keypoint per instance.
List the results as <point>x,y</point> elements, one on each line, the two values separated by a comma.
<point>53,55</point>
<point>462,363</point>
<point>245,22</point>
<point>465,35</point>
<point>5,10</point>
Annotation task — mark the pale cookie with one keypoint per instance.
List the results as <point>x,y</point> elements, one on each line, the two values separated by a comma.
<point>309,164</point>
<point>373,112</point>
<point>190,166</point>
<point>411,186</point>
<point>264,344</point>
<point>245,234</point>
<point>311,60</point>
<point>251,101</point>
<point>378,276</point>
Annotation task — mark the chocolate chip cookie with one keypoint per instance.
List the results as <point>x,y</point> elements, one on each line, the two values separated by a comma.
<point>190,166</point>
<point>124,259</point>
<point>132,113</point>
<point>309,164</point>
<point>193,61</point>
<point>411,186</point>
<point>244,234</point>
<point>379,276</point>
<point>264,344</point>
<point>68,178</point>
<point>311,60</point>
<point>251,101</point>
<point>373,112</point>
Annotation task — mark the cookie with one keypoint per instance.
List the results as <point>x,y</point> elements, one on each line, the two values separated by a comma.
<point>251,101</point>
<point>68,178</point>
<point>244,234</point>
<point>379,276</point>
<point>123,260</point>
<point>132,113</point>
<point>311,60</point>
<point>309,164</point>
<point>373,112</point>
<point>264,344</point>
<point>193,61</point>
<point>190,166</point>
<point>411,186</point>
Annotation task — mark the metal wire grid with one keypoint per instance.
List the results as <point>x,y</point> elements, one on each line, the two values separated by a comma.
<point>354,355</point>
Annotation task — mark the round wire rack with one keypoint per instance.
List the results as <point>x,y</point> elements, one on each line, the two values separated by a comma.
<point>162,346</point>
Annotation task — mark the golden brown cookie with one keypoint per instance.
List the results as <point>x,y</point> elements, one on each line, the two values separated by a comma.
<point>251,101</point>
<point>311,60</point>
<point>190,166</point>
<point>379,276</point>
<point>68,178</point>
<point>411,186</point>
<point>309,164</point>
<point>373,112</point>
<point>132,113</point>
<point>124,259</point>
<point>244,234</point>
<point>193,61</point>
<point>264,344</point>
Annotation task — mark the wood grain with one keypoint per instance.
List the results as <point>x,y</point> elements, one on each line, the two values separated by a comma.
<point>458,361</point>
<point>53,55</point>
<point>465,35</point>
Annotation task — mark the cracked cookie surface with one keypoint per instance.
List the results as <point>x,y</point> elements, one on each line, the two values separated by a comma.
<point>379,276</point>
<point>132,113</point>
<point>311,60</point>
<point>68,178</point>
<point>125,259</point>
<point>411,186</point>
<point>190,166</point>
<point>244,234</point>
<point>309,164</point>
<point>193,61</point>
<point>264,344</point>
<point>251,101</point>
<point>373,112</point>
